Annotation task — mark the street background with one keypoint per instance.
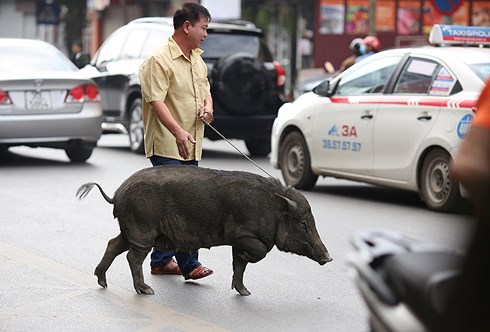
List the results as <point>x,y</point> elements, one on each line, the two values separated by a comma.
<point>50,244</point>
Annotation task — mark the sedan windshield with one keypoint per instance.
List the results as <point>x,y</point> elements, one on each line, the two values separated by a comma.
<point>28,59</point>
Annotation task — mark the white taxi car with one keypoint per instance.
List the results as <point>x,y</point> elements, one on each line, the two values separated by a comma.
<point>394,119</point>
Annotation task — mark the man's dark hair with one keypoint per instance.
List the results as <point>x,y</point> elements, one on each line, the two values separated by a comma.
<point>191,12</point>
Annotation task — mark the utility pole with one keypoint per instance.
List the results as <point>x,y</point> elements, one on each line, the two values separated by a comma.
<point>372,18</point>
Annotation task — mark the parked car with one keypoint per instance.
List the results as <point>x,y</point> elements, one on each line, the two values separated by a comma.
<point>393,119</point>
<point>45,101</point>
<point>246,84</point>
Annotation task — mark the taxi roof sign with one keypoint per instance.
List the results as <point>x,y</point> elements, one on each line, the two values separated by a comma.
<point>455,34</point>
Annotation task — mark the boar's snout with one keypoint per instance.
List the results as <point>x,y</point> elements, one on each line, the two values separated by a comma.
<point>325,259</point>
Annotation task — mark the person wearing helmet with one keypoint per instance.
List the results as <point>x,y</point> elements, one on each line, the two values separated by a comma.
<point>354,46</point>
<point>368,47</point>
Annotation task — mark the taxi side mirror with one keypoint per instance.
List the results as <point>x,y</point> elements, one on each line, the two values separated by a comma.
<point>322,89</point>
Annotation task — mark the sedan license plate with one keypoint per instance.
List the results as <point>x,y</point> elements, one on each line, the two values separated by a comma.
<point>38,100</point>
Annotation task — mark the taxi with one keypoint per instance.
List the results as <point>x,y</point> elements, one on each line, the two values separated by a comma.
<point>394,119</point>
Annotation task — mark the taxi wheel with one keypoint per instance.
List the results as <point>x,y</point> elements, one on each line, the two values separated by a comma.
<point>136,130</point>
<point>438,190</point>
<point>295,162</point>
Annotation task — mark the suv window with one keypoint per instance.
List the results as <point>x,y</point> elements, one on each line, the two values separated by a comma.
<point>133,44</point>
<point>155,39</point>
<point>218,45</point>
<point>111,48</point>
<point>368,79</point>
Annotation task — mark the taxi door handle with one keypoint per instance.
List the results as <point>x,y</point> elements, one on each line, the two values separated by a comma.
<point>425,116</point>
<point>366,116</point>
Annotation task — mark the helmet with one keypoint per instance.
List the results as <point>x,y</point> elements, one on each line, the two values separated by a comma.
<point>373,42</point>
<point>355,43</point>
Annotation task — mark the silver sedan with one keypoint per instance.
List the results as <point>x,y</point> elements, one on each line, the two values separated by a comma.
<point>45,101</point>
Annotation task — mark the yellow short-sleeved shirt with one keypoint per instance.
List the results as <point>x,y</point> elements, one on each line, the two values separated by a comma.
<point>181,83</point>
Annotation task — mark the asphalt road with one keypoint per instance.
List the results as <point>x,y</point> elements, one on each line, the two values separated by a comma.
<point>50,244</point>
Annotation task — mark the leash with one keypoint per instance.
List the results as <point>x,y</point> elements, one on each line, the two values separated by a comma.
<point>233,145</point>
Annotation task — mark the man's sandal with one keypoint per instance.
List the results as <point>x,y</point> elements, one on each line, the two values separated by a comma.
<point>169,268</point>
<point>198,273</point>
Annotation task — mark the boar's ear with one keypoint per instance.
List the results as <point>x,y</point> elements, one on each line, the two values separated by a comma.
<point>291,204</point>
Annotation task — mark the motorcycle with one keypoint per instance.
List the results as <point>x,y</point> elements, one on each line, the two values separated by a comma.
<point>404,282</point>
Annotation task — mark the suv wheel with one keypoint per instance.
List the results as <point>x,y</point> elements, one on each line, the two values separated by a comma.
<point>79,151</point>
<point>259,147</point>
<point>438,190</point>
<point>295,164</point>
<point>241,83</point>
<point>136,127</point>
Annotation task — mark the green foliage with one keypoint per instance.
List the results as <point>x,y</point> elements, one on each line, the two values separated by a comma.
<point>74,16</point>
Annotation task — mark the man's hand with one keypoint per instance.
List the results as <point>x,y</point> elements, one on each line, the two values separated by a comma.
<point>182,138</point>
<point>206,114</point>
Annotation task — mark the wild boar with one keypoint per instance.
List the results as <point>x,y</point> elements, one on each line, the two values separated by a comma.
<point>185,208</point>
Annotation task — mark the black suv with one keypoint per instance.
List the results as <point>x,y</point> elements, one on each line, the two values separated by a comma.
<point>246,84</point>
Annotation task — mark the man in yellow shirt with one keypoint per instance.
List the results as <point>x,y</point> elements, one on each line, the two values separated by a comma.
<point>468,306</point>
<point>176,102</point>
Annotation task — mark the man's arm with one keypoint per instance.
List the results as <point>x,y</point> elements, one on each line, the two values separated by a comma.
<point>182,137</point>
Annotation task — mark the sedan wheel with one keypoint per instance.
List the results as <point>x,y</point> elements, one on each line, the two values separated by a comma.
<point>79,151</point>
<point>136,127</point>
<point>439,191</point>
<point>295,162</point>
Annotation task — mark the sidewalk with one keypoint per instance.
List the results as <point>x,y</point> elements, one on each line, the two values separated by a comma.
<point>37,294</point>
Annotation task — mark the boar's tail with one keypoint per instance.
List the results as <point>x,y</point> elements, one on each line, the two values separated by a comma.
<point>85,189</point>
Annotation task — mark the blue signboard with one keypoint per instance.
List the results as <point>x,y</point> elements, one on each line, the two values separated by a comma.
<point>446,7</point>
<point>47,12</point>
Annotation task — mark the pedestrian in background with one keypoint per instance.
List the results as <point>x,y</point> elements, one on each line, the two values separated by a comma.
<point>355,46</point>
<point>369,46</point>
<point>78,57</point>
<point>176,102</point>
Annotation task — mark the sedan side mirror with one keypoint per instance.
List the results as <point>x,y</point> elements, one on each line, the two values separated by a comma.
<point>322,89</point>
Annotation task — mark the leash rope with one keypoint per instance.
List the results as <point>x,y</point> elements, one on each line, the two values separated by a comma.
<point>233,145</point>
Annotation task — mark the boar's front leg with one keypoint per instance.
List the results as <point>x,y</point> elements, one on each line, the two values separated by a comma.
<point>115,247</point>
<point>136,256</point>
<point>244,251</point>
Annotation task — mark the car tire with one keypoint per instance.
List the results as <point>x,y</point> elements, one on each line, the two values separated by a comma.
<point>136,127</point>
<point>79,151</point>
<point>258,147</point>
<point>240,82</point>
<point>295,162</point>
<point>438,190</point>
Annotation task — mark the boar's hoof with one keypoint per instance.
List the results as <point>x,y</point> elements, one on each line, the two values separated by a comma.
<point>243,292</point>
<point>101,280</point>
<point>102,283</point>
<point>144,289</point>
<point>241,289</point>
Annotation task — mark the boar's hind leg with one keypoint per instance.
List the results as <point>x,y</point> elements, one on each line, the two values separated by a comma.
<point>239,266</point>
<point>136,256</point>
<point>247,250</point>
<point>115,247</point>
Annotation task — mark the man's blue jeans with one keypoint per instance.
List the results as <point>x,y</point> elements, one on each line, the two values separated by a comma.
<point>187,262</point>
